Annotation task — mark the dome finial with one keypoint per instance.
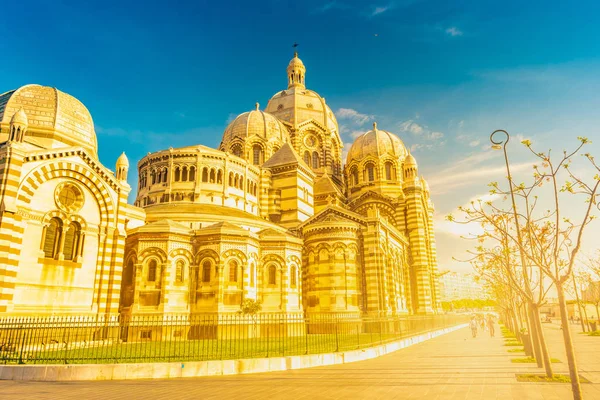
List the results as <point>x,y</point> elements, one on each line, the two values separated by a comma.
<point>374,126</point>
<point>296,72</point>
<point>257,106</point>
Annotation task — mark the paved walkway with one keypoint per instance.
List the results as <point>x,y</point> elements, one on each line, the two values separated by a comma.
<point>453,366</point>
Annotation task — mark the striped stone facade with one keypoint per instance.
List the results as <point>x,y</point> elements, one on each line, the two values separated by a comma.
<point>62,223</point>
<point>272,216</point>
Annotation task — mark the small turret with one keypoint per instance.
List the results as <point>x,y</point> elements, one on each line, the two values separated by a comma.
<point>122,167</point>
<point>18,126</point>
<point>296,72</point>
<point>411,170</point>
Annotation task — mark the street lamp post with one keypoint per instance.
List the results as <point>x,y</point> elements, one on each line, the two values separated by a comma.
<point>501,145</point>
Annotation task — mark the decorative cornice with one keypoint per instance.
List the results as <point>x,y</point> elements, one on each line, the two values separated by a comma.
<point>83,155</point>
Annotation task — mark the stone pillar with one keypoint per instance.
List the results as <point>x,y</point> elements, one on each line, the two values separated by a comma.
<point>416,227</point>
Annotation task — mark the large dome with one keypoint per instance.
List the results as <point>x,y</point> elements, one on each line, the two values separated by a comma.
<point>55,118</point>
<point>255,123</point>
<point>376,143</point>
<point>296,105</point>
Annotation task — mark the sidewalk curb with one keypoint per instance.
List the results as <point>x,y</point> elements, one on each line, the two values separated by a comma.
<point>98,372</point>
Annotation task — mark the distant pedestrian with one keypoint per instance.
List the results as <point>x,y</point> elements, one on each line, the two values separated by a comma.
<point>491,326</point>
<point>473,325</point>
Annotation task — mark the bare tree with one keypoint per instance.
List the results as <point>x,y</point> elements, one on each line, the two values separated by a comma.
<point>548,240</point>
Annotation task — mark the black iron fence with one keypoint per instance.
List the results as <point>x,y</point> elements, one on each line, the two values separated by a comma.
<point>126,339</point>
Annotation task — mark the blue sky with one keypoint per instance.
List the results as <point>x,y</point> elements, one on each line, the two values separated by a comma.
<point>440,74</point>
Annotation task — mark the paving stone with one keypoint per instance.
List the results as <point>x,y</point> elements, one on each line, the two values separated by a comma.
<point>452,366</point>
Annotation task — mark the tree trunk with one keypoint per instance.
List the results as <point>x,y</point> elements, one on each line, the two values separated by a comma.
<point>586,317</point>
<point>573,372</point>
<point>525,320</point>
<point>543,345</point>
<point>578,305</point>
<point>515,323</point>
<point>535,336</point>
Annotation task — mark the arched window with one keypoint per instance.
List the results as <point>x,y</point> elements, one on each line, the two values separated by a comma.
<point>272,275</point>
<point>293,276</point>
<point>153,175</point>
<point>71,240</point>
<point>354,174</point>
<point>236,149</point>
<point>256,154</point>
<point>231,179</point>
<point>233,273</point>
<point>315,160</point>
<point>179,271</point>
<point>152,270</point>
<point>241,182</point>
<point>165,172</point>
<point>220,176</point>
<point>206,271</point>
<point>213,176</point>
<point>388,171</point>
<point>192,177</point>
<point>51,240</point>
<point>236,182</point>
<point>252,268</point>
<point>177,174</point>
<point>307,157</point>
<point>370,173</point>
<point>128,273</point>
<point>184,174</point>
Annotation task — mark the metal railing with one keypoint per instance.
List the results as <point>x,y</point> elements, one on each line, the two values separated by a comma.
<point>164,338</point>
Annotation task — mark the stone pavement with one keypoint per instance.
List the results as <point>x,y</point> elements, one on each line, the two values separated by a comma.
<point>453,366</point>
<point>587,350</point>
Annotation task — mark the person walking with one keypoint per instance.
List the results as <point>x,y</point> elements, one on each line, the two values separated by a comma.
<point>490,324</point>
<point>473,325</point>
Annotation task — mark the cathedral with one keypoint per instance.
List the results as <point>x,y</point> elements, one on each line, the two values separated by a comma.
<point>273,215</point>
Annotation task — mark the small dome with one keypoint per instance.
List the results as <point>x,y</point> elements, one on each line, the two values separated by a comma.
<point>255,123</point>
<point>376,143</point>
<point>19,117</point>
<point>122,161</point>
<point>410,160</point>
<point>296,62</point>
<point>55,119</point>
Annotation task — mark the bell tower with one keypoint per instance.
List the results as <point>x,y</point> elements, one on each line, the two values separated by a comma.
<point>296,72</point>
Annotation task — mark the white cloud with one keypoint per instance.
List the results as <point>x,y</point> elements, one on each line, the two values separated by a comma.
<point>354,116</point>
<point>454,31</point>
<point>345,151</point>
<point>468,172</point>
<point>412,127</point>
<point>230,118</point>
<point>331,5</point>
<point>418,146</point>
<point>421,131</point>
<point>355,134</point>
<point>435,135</point>
<point>474,143</point>
<point>379,10</point>
<point>463,230</point>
